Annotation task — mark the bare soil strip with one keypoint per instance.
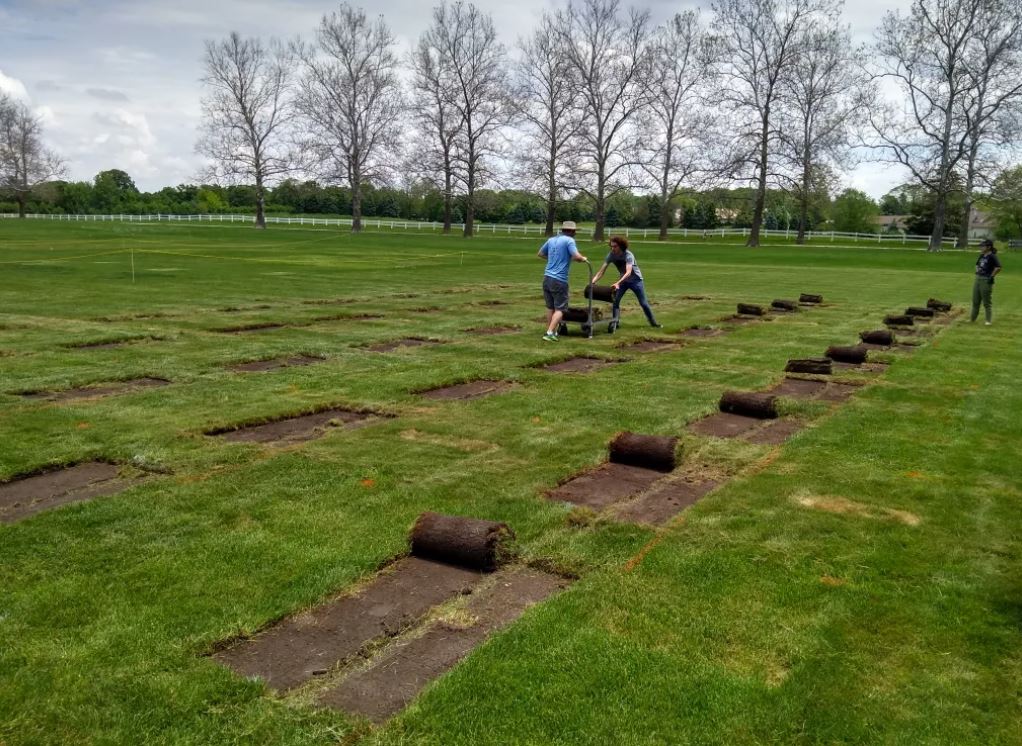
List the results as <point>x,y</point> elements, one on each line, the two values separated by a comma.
<point>258,366</point>
<point>665,500</point>
<point>605,485</point>
<point>797,388</point>
<point>95,392</point>
<point>292,429</point>
<point>312,643</point>
<point>395,677</point>
<point>701,332</point>
<point>650,345</point>
<point>775,432</point>
<point>469,390</point>
<point>724,425</point>
<point>33,494</point>
<point>578,365</point>
<point>399,343</point>
<point>493,330</point>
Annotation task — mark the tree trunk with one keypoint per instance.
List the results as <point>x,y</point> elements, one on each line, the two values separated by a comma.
<point>803,203</point>
<point>448,198</point>
<point>470,200</point>
<point>600,208</point>
<point>970,180</point>
<point>551,201</point>
<point>760,206</point>
<point>665,219</point>
<point>356,205</point>
<point>939,218</point>
<point>22,199</point>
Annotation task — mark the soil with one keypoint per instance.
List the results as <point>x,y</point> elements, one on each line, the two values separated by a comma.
<point>736,319</point>
<point>29,495</point>
<point>797,388</point>
<point>864,367</point>
<point>293,429</point>
<point>578,365</point>
<point>695,297</point>
<point>396,677</point>
<point>275,363</point>
<point>396,344</point>
<point>111,345</point>
<point>298,648</point>
<point>871,346</point>
<point>94,392</point>
<point>245,328</point>
<point>663,502</point>
<point>605,485</point>
<point>650,345</point>
<point>838,392</point>
<point>696,332</point>
<point>494,303</point>
<point>470,390</point>
<point>775,432</point>
<point>492,330</point>
<point>724,425</point>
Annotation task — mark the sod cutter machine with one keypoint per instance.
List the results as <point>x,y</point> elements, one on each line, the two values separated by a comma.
<point>588,317</point>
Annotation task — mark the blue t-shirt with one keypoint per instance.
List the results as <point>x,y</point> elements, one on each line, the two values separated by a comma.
<point>559,250</point>
<point>622,262</point>
<point>986,264</point>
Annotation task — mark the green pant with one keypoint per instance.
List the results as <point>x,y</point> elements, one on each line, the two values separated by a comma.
<point>982,292</point>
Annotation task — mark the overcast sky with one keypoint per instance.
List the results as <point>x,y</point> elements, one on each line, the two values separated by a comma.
<point>117,82</point>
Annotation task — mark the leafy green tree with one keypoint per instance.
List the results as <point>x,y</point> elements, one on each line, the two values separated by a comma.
<point>113,190</point>
<point>854,212</point>
<point>1005,203</point>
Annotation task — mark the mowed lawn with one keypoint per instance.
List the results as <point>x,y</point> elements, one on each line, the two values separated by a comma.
<point>753,617</point>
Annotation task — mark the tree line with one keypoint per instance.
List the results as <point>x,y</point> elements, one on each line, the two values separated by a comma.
<point>600,111</point>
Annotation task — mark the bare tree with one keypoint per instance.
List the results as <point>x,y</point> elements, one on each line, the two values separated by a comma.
<point>605,52</point>
<point>542,93</point>
<point>246,112</point>
<point>675,127</point>
<point>25,162</point>
<point>925,54</point>
<point>992,105</point>
<point>351,97</point>
<point>475,66</point>
<point>826,93</point>
<point>757,45</point>
<point>439,122</point>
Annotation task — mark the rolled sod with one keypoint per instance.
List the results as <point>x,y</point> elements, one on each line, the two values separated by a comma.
<point>785,305</point>
<point>656,452</point>
<point>810,298</point>
<point>456,540</point>
<point>750,309</point>
<point>582,314</point>
<point>854,355</point>
<point>823,366</point>
<point>760,406</point>
<point>600,292</point>
<point>938,305</point>
<point>878,337</point>
<point>925,313</point>
<point>896,320</point>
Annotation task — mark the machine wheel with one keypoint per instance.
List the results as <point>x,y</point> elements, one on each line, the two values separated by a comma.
<point>586,329</point>
<point>562,328</point>
<point>612,327</point>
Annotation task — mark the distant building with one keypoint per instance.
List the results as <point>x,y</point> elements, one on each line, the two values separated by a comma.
<point>981,224</point>
<point>726,214</point>
<point>892,223</point>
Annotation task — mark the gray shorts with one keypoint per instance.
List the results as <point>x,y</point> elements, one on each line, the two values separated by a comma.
<point>555,293</point>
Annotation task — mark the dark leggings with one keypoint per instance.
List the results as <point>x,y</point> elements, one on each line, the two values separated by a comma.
<point>640,293</point>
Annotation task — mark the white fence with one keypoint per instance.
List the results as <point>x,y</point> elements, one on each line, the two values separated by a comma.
<point>490,228</point>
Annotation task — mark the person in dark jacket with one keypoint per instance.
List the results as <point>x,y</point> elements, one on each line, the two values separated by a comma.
<point>988,266</point>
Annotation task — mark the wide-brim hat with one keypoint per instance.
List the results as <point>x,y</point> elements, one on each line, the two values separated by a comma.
<point>569,225</point>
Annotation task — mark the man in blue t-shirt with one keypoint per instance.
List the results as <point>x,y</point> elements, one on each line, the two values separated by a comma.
<point>631,277</point>
<point>559,252</point>
<point>987,267</point>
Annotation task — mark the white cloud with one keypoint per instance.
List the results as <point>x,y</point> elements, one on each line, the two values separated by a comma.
<point>13,87</point>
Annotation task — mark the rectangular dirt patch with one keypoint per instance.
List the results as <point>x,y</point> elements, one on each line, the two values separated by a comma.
<point>724,425</point>
<point>605,485</point>
<point>650,345</point>
<point>246,328</point>
<point>94,392</point>
<point>663,502</point>
<point>702,332</point>
<point>838,392</point>
<point>109,344</point>
<point>312,643</point>
<point>397,675</point>
<point>399,343</point>
<point>578,365</point>
<point>33,494</point>
<point>258,366</point>
<point>797,388</point>
<point>469,390</point>
<point>775,432</point>
<point>292,429</point>
<point>493,330</point>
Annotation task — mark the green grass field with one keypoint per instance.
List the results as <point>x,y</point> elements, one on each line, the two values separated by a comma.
<point>752,617</point>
